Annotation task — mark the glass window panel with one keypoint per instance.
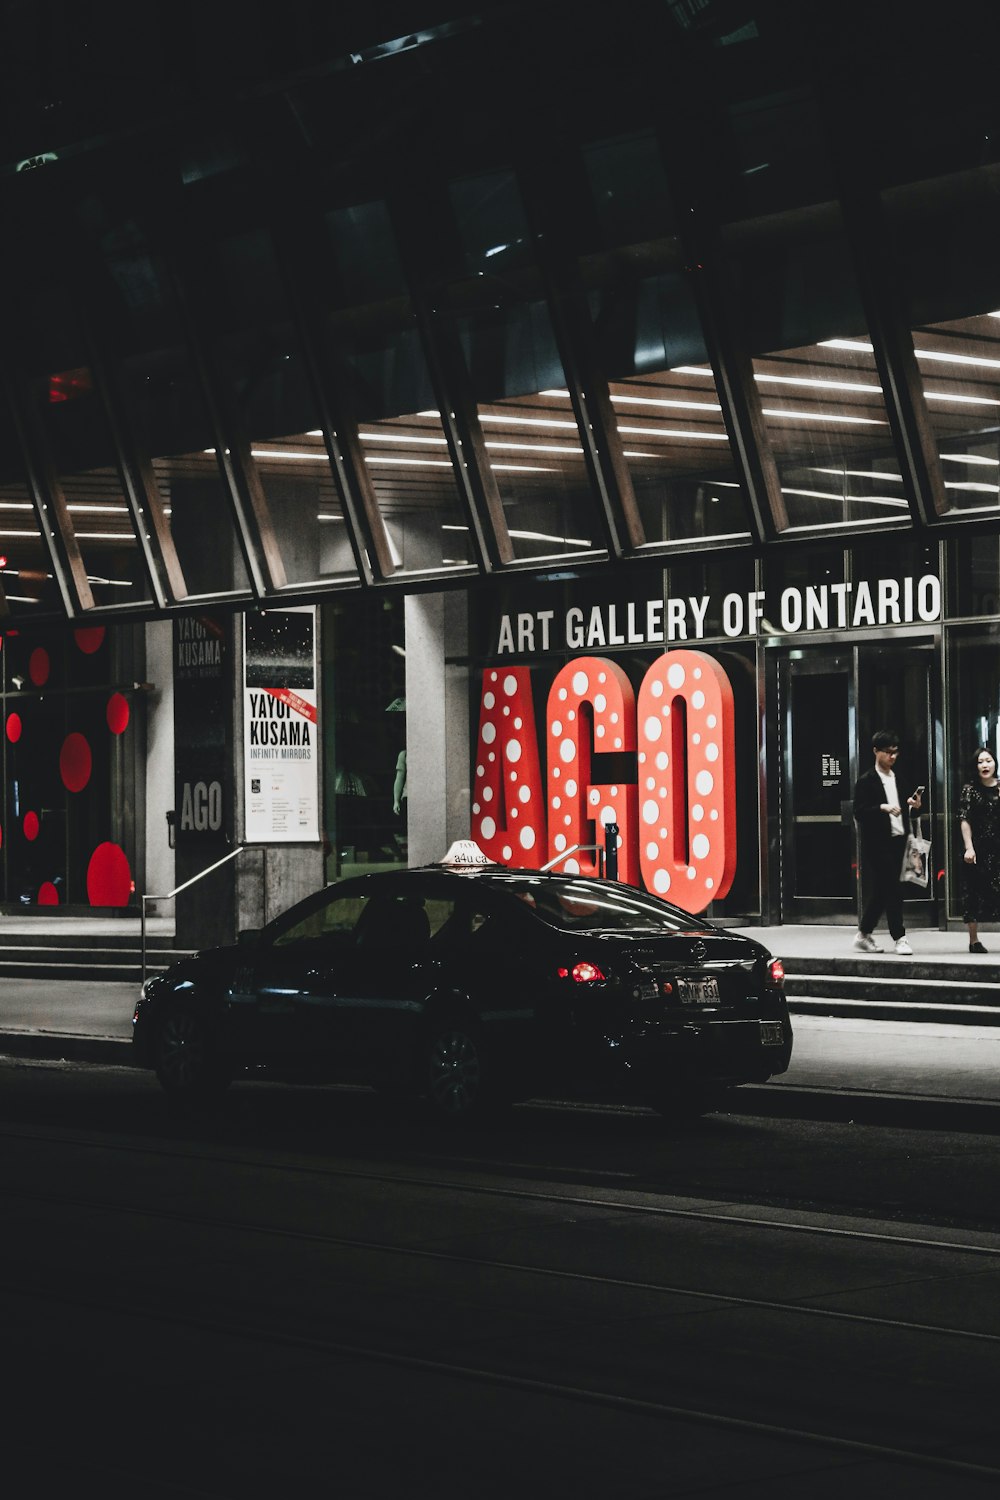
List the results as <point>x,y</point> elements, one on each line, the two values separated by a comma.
<point>814,365</point>
<point>143,324</point>
<point>259,360</point>
<point>951,291</point>
<point>25,565</point>
<point>628,188</point>
<point>380,362</point>
<point>667,410</point>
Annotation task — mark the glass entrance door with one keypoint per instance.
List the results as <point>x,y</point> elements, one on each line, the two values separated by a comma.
<point>830,703</point>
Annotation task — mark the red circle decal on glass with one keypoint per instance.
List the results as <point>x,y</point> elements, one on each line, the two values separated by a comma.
<point>75,762</point>
<point>30,826</point>
<point>109,879</point>
<point>39,666</point>
<point>14,727</point>
<point>90,638</point>
<point>117,713</point>
<point>47,894</point>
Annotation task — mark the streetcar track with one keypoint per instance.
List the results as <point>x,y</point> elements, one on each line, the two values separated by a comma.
<point>524,1268</point>
<point>472,1374</point>
<point>397,1179</point>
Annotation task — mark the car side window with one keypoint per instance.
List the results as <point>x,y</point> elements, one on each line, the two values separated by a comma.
<point>338,916</point>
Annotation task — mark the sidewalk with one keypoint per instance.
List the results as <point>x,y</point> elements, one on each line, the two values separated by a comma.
<point>930,946</point>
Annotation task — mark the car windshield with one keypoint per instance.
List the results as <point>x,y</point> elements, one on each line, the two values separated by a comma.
<point>595,906</point>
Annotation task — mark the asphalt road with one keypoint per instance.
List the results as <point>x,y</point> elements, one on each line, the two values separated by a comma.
<point>300,1290</point>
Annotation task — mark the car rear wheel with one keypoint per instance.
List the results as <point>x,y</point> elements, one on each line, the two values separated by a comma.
<point>186,1056</point>
<point>455,1067</point>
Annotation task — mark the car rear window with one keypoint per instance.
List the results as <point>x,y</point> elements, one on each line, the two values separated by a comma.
<point>595,906</point>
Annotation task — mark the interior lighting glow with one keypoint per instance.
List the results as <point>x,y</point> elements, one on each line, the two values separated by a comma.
<point>937,356</point>
<point>395,459</point>
<point>961,400</point>
<point>892,500</point>
<point>505,421</point>
<point>823,416</point>
<point>33,535</point>
<point>815,383</point>
<point>971,484</point>
<point>15,505</point>
<point>677,432</point>
<point>665,402</point>
<point>21,599</point>
<point>562,448</point>
<point>692,370</point>
<point>862,474</point>
<point>540,536</point>
<point>106,536</point>
<point>81,508</point>
<point>971,458</point>
<point>402,437</point>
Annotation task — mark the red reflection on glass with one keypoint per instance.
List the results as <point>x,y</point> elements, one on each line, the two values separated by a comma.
<point>89,638</point>
<point>109,879</point>
<point>117,713</point>
<point>30,826</point>
<point>47,894</point>
<point>14,727</point>
<point>39,666</point>
<point>75,762</point>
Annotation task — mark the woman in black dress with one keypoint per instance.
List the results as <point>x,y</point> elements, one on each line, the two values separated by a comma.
<point>979,818</point>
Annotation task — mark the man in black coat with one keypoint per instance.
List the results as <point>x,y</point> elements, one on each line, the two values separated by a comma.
<point>881,823</point>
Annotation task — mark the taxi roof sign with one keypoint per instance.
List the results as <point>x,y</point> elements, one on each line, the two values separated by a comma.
<point>466,853</point>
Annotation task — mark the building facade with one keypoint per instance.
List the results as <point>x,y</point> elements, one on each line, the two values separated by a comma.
<point>498,343</point>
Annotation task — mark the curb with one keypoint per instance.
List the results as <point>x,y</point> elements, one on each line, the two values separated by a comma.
<point>58,1046</point>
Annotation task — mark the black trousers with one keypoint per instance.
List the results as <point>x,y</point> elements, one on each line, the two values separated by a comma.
<point>880,884</point>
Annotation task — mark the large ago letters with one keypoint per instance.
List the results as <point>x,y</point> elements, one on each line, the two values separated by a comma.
<point>677,825</point>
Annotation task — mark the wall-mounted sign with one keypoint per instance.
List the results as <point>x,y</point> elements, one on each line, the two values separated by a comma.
<point>280,727</point>
<point>882,602</point>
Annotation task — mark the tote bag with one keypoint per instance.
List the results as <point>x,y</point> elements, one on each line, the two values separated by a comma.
<point>916,857</point>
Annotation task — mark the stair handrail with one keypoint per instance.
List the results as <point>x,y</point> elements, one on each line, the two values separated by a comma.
<point>597,849</point>
<point>169,895</point>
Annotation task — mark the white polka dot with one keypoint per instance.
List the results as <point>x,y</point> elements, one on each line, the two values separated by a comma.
<point>698,699</point>
<point>487,794</point>
<point>510,686</point>
<point>571,715</point>
<point>581,682</point>
<point>602,676</point>
<point>711,751</point>
<point>661,882</point>
<point>594,797</point>
<point>563,695</point>
<point>519,722</point>
<point>570,787</point>
<point>663,833</point>
<point>527,838</point>
<point>700,846</point>
<point>480,770</point>
<point>476,808</point>
<point>657,689</point>
<point>600,703</point>
<point>513,812</point>
<point>525,794</point>
<point>599,732</point>
<point>662,792</point>
<point>666,711</point>
<point>652,850</point>
<point>513,775</point>
<point>506,710</point>
<point>704,782</point>
<point>697,673</point>
<point>507,852</point>
<point>489,700</point>
<point>557,802</point>
<point>555,773</point>
<point>709,883</point>
<point>711,721</point>
<point>662,760</point>
<point>653,729</point>
<point>560,841</point>
<point>714,815</point>
<point>514,750</point>
<point>650,783</point>
<point>697,812</point>
<point>555,728</point>
<point>567,820</point>
<point>492,757</point>
<point>676,676</point>
<point>487,828</point>
<point>571,866</point>
<point>608,815</point>
<point>618,744</point>
<point>614,718</point>
<point>691,872</point>
<point>696,739</point>
<point>650,811</point>
<point>642,757</point>
<point>489,733</point>
<point>567,750</point>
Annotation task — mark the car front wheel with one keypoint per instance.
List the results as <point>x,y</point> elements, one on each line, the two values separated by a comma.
<point>186,1057</point>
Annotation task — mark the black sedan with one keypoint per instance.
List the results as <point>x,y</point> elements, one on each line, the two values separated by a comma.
<point>471,987</point>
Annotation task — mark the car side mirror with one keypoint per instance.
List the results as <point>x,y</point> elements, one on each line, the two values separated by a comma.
<point>247,936</point>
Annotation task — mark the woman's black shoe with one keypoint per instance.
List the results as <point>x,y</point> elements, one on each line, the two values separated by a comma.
<point>977,948</point>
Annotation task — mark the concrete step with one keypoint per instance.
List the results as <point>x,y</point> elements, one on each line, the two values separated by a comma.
<point>894,989</point>
<point>73,958</point>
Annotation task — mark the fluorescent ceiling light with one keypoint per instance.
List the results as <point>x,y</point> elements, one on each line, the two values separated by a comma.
<point>19,535</point>
<point>106,536</point>
<point>971,458</point>
<point>21,599</point>
<point>540,536</point>
<point>383,459</point>
<point>961,400</point>
<point>822,416</point>
<point>15,505</point>
<point>664,401</point>
<point>401,437</point>
<point>892,500</point>
<point>861,474</point>
<point>814,383</point>
<point>971,484</point>
<point>505,421</point>
<point>937,356</point>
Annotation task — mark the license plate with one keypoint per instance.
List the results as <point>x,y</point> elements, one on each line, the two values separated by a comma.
<point>772,1034</point>
<point>698,991</point>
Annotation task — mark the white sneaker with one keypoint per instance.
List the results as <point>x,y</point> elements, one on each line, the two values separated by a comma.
<point>866,944</point>
<point>903,947</point>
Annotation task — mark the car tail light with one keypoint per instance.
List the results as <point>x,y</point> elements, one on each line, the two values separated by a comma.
<point>776,973</point>
<point>583,972</point>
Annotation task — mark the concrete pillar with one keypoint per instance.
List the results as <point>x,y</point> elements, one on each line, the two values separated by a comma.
<point>159,799</point>
<point>437,723</point>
